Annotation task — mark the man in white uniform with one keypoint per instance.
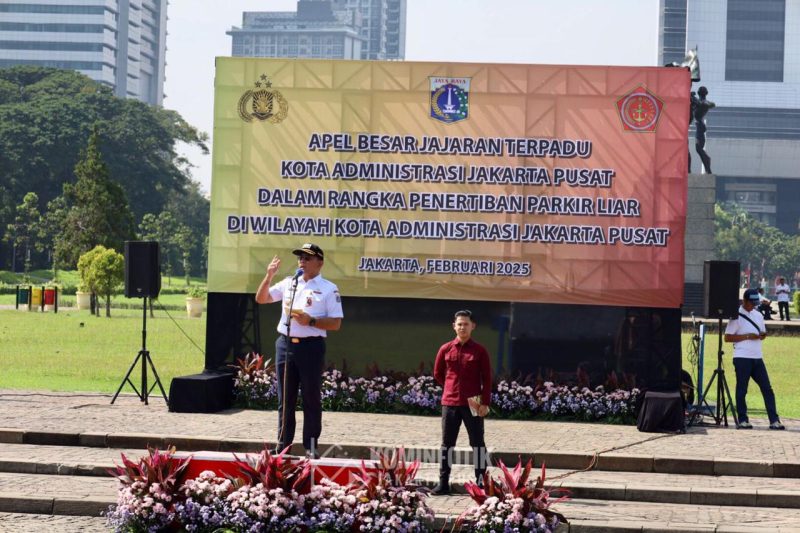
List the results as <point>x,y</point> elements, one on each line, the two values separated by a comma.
<point>782,291</point>
<point>312,306</point>
<point>747,332</point>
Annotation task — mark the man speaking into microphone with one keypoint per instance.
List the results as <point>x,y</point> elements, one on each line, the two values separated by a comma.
<point>312,306</point>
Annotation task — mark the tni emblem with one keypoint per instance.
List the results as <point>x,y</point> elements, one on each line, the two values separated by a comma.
<point>640,110</point>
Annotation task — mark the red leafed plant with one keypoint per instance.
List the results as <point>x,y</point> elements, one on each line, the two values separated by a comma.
<point>251,363</point>
<point>514,485</point>
<point>146,498</point>
<point>275,471</point>
<point>157,467</point>
<point>391,473</point>
<point>401,501</point>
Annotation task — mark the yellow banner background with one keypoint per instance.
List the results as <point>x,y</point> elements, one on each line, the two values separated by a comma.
<point>506,101</point>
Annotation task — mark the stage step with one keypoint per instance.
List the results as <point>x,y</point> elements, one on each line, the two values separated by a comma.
<point>39,496</point>
<point>592,484</point>
<point>593,516</point>
<point>648,456</point>
<point>51,523</point>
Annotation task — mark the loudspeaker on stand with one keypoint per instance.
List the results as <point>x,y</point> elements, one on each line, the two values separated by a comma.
<point>142,269</point>
<point>721,289</point>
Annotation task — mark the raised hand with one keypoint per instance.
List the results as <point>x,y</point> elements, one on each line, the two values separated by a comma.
<point>273,266</point>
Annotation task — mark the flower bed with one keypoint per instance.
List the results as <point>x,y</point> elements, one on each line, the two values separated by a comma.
<point>256,387</point>
<point>272,493</point>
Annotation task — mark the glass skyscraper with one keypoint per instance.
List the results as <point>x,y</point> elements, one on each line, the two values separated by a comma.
<point>119,43</point>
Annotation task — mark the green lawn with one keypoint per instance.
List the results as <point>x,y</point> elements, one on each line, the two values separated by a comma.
<point>783,364</point>
<point>74,351</point>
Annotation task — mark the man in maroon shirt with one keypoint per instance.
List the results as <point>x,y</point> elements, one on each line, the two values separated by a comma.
<point>462,368</point>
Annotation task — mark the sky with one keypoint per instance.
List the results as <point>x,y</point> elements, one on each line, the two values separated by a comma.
<point>570,32</point>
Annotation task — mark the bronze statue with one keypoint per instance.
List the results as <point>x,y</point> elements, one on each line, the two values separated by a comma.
<point>699,109</point>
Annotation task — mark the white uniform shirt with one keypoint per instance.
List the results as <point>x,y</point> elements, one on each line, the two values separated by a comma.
<point>317,297</point>
<point>783,296</point>
<point>749,349</point>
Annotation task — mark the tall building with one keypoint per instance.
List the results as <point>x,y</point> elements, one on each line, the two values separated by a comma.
<point>750,62</point>
<point>119,43</point>
<point>325,29</point>
<point>383,27</point>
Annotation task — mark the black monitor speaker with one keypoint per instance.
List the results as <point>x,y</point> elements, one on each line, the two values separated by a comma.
<point>142,269</point>
<point>721,289</point>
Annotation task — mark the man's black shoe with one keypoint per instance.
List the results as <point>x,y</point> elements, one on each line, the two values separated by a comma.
<point>442,489</point>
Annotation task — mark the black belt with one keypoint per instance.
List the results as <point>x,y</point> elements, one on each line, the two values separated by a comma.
<point>298,340</point>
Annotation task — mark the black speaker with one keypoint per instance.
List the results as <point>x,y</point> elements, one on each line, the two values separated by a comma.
<point>142,269</point>
<point>721,289</point>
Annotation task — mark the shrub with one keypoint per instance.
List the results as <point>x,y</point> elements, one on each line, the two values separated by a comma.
<point>272,494</point>
<point>512,504</point>
<point>146,497</point>
<point>256,387</point>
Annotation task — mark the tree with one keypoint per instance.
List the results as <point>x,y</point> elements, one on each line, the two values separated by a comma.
<point>103,270</point>
<point>39,153</point>
<point>23,231</point>
<point>184,240</point>
<point>192,210</point>
<point>84,273</point>
<point>763,250</point>
<point>107,273</point>
<point>161,228</point>
<point>51,225</point>
<point>97,211</point>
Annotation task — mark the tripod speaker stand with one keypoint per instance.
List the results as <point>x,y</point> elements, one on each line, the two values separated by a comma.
<point>142,280</point>
<point>724,400</point>
<point>144,356</point>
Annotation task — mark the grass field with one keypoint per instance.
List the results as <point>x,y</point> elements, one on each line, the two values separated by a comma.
<point>74,351</point>
<point>783,365</point>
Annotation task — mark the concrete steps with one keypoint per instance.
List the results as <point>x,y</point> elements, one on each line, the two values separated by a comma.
<point>593,484</point>
<point>63,485</point>
<point>50,523</point>
<point>48,496</point>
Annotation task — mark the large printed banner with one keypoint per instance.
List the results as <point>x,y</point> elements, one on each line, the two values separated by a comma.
<point>523,183</point>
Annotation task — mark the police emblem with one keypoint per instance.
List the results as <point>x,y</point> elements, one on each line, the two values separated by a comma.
<point>640,110</point>
<point>449,99</point>
<point>264,102</point>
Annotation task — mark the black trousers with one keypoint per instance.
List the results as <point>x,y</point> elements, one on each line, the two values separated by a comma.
<point>756,369</point>
<point>303,363</point>
<point>452,417</point>
<point>783,306</point>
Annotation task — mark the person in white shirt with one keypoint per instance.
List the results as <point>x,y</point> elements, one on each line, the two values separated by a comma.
<point>747,333</point>
<point>782,292</point>
<point>765,307</point>
<point>312,306</point>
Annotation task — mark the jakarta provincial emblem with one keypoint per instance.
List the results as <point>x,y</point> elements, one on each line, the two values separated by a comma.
<point>640,110</point>
<point>449,99</point>
<point>263,103</point>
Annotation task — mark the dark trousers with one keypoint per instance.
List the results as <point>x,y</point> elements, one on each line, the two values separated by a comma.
<point>756,369</point>
<point>303,363</point>
<point>452,416</point>
<point>783,307</point>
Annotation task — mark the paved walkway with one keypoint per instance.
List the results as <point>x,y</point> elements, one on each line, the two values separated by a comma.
<point>710,479</point>
<point>92,414</point>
